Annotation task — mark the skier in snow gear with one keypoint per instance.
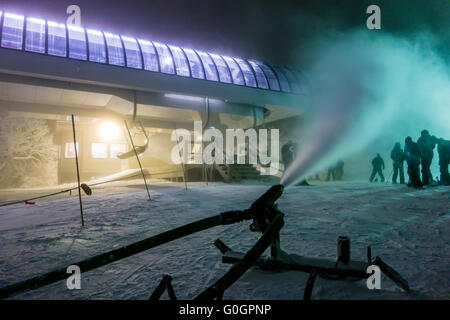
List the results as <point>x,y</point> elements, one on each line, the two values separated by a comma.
<point>412,156</point>
<point>377,167</point>
<point>398,157</point>
<point>426,144</point>
<point>444,160</point>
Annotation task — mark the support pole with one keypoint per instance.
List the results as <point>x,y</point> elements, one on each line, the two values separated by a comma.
<point>205,168</point>
<point>134,105</point>
<point>78,170</point>
<point>139,161</point>
<point>205,173</point>
<point>145,132</point>
<point>182,163</point>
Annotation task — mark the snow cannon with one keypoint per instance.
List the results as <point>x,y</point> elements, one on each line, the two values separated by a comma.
<point>262,211</point>
<point>268,199</point>
<point>264,208</point>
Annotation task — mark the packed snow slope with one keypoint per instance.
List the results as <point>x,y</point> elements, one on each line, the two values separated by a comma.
<point>408,228</point>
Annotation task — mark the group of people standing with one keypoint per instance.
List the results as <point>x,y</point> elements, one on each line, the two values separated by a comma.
<point>416,154</point>
<point>335,171</point>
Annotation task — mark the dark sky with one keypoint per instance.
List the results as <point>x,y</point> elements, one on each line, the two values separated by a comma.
<point>246,28</point>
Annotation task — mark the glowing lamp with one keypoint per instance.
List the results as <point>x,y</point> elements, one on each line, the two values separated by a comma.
<point>108,131</point>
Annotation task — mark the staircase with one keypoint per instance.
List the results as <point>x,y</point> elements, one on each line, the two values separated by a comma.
<point>239,172</point>
<point>244,172</point>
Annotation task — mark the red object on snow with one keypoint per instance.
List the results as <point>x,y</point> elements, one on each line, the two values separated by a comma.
<point>29,202</point>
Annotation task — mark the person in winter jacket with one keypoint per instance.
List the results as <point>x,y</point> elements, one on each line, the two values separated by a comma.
<point>377,168</point>
<point>426,144</point>
<point>398,157</point>
<point>444,160</point>
<point>412,156</point>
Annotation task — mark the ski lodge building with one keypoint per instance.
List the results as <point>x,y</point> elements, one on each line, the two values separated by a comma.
<point>50,70</point>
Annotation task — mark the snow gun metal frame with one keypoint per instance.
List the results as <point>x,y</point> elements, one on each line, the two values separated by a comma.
<point>263,211</point>
<point>266,219</point>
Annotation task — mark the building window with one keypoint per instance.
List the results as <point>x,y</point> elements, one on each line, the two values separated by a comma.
<point>165,58</point>
<point>35,35</point>
<point>132,52</point>
<point>250,80</point>
<point>181,63</point>
<point>97,51</point>
<point>195,64</point>
<point>56,39</point>
<point>260,77</point>
<point>12,34</point>
<point>236,73</point>
<point>116,148</point>
<point>149,55</point>
<point>70,151</point>
<point>209,66</point>
<point>99,150</point>
<point>271,78</point>
<point>77,43</point>
<point>284,84</point>
<point>115,50</point>
<point>222,68</point>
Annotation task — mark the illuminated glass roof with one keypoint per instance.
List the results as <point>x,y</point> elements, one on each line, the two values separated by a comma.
<point>58,39</point>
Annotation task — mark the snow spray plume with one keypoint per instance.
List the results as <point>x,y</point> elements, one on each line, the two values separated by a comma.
<point>367,88</point>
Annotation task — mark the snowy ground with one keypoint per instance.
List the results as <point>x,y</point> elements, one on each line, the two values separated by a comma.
<point>408,228</point>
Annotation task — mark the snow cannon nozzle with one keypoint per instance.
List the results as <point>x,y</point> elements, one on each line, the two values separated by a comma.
<point>268,199</point>
<point>262,208</point>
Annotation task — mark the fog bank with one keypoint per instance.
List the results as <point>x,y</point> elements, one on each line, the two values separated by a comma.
<point>366,91</point>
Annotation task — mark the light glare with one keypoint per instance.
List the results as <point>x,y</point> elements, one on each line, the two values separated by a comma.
<point>109,131</point>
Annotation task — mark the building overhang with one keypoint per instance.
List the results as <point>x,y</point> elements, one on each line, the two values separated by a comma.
<point>39,66</point>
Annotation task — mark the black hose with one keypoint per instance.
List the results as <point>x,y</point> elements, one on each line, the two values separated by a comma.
<point>111,256</point>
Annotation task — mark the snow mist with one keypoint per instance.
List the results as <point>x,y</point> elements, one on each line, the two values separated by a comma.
<point>367,91</point>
